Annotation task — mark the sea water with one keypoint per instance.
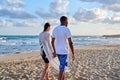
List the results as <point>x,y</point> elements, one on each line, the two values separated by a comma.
<point>17,44</point>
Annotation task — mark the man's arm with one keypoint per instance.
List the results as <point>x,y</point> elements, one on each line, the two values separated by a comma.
<point>52,42</point>
<point>71,47</point>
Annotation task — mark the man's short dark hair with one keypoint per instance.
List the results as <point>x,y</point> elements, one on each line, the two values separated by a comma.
<point>63,18</point>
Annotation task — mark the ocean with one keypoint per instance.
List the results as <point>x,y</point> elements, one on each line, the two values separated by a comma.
<point>16,44</point>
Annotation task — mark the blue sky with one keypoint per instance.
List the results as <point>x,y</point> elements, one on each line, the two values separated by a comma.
<point>86,17</point>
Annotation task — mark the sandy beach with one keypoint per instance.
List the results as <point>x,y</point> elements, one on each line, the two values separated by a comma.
<point>97,62</point>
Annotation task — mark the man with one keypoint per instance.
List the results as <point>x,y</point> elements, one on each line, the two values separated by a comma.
<point>61,36</point>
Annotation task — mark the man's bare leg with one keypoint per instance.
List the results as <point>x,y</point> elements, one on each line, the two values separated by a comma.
<point>61,75</point>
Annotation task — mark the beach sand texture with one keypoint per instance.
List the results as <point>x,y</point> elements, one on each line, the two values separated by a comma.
<point>98,62</point>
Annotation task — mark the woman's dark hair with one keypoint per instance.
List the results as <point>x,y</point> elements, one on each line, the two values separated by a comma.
<point>46,26</point>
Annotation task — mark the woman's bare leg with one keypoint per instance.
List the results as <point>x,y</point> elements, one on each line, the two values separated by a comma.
<point>47,75</point>
<point>45,71</point>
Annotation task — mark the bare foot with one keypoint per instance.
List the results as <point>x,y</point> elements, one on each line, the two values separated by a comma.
<point>49,79</point>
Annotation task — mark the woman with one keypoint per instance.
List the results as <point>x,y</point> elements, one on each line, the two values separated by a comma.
<point>47,52</point>
<point>44,40</point>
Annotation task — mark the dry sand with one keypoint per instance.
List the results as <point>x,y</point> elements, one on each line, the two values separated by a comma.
<point>99,62</point>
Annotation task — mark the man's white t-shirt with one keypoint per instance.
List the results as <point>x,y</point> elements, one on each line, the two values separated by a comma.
<point>61,34</point>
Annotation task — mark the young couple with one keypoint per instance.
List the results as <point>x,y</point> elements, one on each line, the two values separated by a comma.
<point>57,47</point>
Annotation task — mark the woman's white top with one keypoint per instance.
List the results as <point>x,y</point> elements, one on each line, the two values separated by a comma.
<point>45,42</point>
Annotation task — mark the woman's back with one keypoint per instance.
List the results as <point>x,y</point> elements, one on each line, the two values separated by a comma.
<point>43,38</point>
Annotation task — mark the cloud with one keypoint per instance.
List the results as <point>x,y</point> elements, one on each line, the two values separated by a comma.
<point>14,9</point>
<point>114,19</point>
<point>96,16</point>
<point>6,23</point>
<point>114,7</point>
<point>28,23</point>
<point>15,13</point>
<point>44,15</point>
<point>107,2</point>
<point>71,20</point>
<point>15,3</point>
<point>24,23</point>
<point>116,16</point>
<point>89,15</point>
<point>57,9</point>
<point>109,12</point>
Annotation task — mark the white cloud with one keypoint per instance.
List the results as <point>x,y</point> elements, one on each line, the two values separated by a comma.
<point>15,13</point>
<point>114,19</point>
<point>89,15</point>
<point>23,23</point>
<point>72,20</point>
<point>107,2</point>
<point>57,9</point>
<point>44,15</point>
<point>28,23</point>
<point>6,23</point>
<point>94,15</point>
<point>114,7</point>
<point>14,9</point>
<point>102,15</point>
<point>15,3</point>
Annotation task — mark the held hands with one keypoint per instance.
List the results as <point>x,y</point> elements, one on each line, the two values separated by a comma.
<point>73,57</point>
<point>54,54</point>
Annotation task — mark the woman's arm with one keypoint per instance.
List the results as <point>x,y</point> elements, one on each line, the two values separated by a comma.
<point>52,42</point>
<point>51,47</point>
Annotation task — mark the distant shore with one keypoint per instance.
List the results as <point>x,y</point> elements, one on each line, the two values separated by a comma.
<point>98,62</point>
<point>113,36</point>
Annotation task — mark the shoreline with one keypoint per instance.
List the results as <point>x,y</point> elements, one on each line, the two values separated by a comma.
<point>74,47</point>
<point>18,52</point>
<point>27,55</point>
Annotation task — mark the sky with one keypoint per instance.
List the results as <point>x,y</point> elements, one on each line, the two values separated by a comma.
<point>86,17</point>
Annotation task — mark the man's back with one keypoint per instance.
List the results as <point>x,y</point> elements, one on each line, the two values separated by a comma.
<point>61,34</point>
